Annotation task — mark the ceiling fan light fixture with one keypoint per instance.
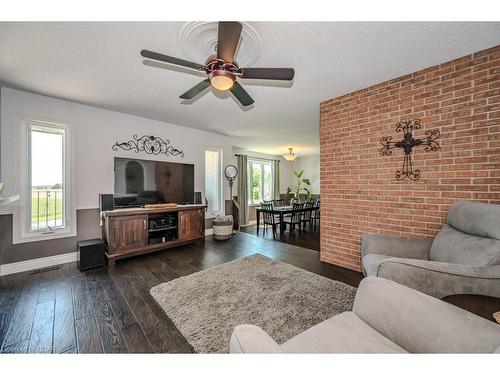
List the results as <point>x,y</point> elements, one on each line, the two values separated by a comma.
<point>291,155</point>
<point>221,68</point>
<point>221,80</point>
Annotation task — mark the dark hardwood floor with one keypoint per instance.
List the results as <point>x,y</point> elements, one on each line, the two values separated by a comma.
<point>110,310</point>
<point>307,237</point>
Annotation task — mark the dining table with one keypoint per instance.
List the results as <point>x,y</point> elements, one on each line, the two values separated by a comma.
<point>281,211</point>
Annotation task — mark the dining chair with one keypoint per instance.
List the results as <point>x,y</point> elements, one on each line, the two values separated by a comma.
<point>269,218</point>
<point>278,202</point>
<point>306,217</point>
<point>295,216</point>
<point>316,214</point>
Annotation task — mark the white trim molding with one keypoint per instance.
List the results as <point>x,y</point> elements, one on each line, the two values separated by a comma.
<point>6,210</point>
<point>33,264</point>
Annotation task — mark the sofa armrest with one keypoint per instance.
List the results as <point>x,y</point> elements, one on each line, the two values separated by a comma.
<point>440,279</point>
<point>248,338</point>
<point>420,323</point>
<point>395,246</point>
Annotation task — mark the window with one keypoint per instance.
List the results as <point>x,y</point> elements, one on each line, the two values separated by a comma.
<point>260,181</point>
<point>47,208</point>
<point>213,181</point>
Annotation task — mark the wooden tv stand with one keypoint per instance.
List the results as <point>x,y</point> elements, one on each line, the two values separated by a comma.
<point>127,232</point>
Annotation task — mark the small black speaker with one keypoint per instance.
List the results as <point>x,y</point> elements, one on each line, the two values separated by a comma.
<point>91,253</point>
<point>197,197</point>
<point>105,202</point>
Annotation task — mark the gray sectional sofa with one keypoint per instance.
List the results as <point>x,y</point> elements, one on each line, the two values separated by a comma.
<point>386,318</point>
<point>464,258</point>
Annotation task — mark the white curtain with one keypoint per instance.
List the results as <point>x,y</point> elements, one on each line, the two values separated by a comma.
<point>276,179</point>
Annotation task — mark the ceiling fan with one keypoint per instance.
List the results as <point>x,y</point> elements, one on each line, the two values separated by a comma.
<point>222,70</point>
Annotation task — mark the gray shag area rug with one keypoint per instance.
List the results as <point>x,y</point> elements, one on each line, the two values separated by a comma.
<point>281,299</point>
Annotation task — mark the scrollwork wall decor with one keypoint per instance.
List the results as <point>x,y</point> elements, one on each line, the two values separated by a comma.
<point>407,144</point>
<point>150,145</point>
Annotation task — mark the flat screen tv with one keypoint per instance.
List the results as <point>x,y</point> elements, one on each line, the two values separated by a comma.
<point>140,182</point>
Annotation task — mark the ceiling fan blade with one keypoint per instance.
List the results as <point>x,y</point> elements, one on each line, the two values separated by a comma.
<point>282,74</point>
<point>169,59</point>
<point>240,93</point>
<point>192,92</point>
<point>227,41</point>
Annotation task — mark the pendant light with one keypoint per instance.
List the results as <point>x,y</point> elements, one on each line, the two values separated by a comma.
<point>291,155</point>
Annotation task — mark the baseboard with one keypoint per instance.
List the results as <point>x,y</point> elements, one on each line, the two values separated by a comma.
<point>33,264</point>
<point>250,223</point>
<point>209,232</point>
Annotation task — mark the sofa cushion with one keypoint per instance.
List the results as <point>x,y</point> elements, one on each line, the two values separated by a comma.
<point>247,338</point>
<point>454,246</point>
<point>371,263</point>
<point>419,323</point>
<point>344,333</point>
<point>479,219</point>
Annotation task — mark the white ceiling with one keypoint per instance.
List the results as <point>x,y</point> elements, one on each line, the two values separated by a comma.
<point>99,64</point>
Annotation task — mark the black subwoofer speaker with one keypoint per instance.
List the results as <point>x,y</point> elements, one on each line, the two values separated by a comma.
<point>197,197</point>
<point>91,253</point>
<point>105,202</point>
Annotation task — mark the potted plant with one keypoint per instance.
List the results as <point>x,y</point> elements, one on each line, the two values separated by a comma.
<point>297,189</point>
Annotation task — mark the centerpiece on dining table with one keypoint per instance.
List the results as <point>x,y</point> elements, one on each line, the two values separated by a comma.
<point>298,188</point>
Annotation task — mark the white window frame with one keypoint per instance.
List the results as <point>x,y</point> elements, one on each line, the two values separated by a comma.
<point>249,187</point>
<point>221,210</point>
<point>22,231</point>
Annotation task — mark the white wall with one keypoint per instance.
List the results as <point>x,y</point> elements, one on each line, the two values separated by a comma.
<point>96,131</point>
<point>285,167</point>
<point>310,165</point>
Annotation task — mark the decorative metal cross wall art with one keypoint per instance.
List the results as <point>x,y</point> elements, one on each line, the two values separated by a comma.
<point>407,144</point>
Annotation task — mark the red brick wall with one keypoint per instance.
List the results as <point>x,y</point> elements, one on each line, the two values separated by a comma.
<point>359,193</point>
